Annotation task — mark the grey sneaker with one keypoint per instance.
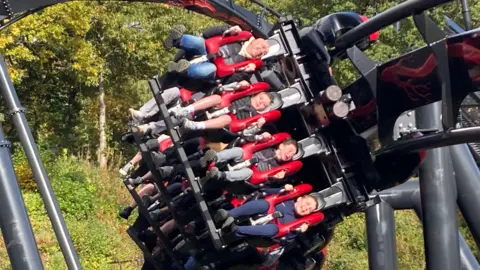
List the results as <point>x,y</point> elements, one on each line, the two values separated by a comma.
<point>135,181</point>
<point>188,124</point>
<point>125,170</point>
<point>137,116</point>
<point>174,36</point>
<point>179,67</point>
<point>182,113</point>
<point>208,158</point>
<point>143,129</point>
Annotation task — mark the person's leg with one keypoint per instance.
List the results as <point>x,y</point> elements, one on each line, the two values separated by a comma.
<point>193,44</point>
<point>170,96</point>
<point>268,230</point>
<point>205,70</point>
<point>216,123</point>
<point>202,104</point>
<point>191,264</point>
<point>238,175</point>
<point>146,190</point>
<point>250,208</point>
<point>131,164</point>
<point>235,153</point>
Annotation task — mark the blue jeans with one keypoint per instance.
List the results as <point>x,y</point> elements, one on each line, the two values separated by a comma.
<point>249,209</point>
<point>196,45</point>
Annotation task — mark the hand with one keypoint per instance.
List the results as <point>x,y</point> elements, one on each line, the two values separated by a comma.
<point>250,67</point>
<point>281,175</point>
<point>235,30</point>
<point>288,187</point>
<point>261,122</point>
<point>266,135</point>
<point>304,227</point>
<point>243,84</point>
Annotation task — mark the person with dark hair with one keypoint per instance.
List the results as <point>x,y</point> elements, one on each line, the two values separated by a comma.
<point>266,159</point>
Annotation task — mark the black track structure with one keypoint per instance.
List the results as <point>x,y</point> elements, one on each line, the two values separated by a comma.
<point>357,152</point>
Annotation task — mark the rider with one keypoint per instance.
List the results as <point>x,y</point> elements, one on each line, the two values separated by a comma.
<point>242,108</point>
<point>232,53</point>
<point>267,159</point>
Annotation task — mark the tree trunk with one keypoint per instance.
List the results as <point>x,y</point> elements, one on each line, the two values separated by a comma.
<point>102,149</point>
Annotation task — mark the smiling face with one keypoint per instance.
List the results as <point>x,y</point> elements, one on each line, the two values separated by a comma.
<point>258,48</point>
<point>285,152</point>
<point>261,101</point>
<point>305,205</point>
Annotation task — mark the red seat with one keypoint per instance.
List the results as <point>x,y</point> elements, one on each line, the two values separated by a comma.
<point>185,94</point>
<point>259,177</point>
<point>239,125</point>
<point>252,147</point>
<point>213,45</point>
<point>255,88</point>
<point>284,229</point>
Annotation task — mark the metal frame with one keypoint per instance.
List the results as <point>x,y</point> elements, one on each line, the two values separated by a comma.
<point>435,206</point>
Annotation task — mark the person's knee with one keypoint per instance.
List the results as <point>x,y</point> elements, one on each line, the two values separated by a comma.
<point>248,173</point>
<point>153,145</point>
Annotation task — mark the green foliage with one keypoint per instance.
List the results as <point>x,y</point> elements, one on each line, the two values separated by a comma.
<point>90,211</point>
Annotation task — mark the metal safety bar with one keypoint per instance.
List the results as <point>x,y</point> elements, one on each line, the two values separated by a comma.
<point>193,181</point>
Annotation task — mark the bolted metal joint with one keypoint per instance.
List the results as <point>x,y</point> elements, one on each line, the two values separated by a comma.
<point>17,110</point>
<point>5,143</point>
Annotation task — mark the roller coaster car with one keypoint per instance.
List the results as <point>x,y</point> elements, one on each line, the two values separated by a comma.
<point>283,229</point>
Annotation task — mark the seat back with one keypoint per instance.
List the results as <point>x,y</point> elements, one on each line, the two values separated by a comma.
<point>311,220</point>
<point>250,148</point>
<point>213,45</point>
<point>253,89</point>
<point>239,125</point>
<point>297,191</point>
<point>290,168</point>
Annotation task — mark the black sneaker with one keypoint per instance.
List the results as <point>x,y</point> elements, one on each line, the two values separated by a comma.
<point>174,36</point>
<point>126,212</point>
<point>178,67</point>
<point>208,158</point>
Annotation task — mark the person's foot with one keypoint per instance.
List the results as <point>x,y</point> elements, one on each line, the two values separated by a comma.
<point>189,125</point>
<point>208,158</point>
<point>182,113</point>
<point>178,67</point>
<point>143,129</point>
<point>159,159</point>
<point>174,36</point>
<point>156,215</point>
<point>125,170</point>
<point>126,212</point>
<point>215,173</point>
<point>137,116</point>
<point>220,217</point>
<point>229,225</point>
<point>147,200</point>
<point>135,181</point>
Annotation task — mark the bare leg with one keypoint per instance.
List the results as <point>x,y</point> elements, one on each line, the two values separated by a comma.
<point>202,104</point>
<point>137,158</point>
<point>148,189</point>
<point>218,123</point>
<point>207,102</point>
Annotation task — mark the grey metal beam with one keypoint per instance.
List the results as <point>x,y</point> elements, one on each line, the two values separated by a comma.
<point>467,175</point>
<point>438,196</point>
<point>31,151</point>
<point>382,248</point>
<point>16,228</point>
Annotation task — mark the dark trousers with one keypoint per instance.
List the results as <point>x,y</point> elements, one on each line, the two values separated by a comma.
<point>254,208</point>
